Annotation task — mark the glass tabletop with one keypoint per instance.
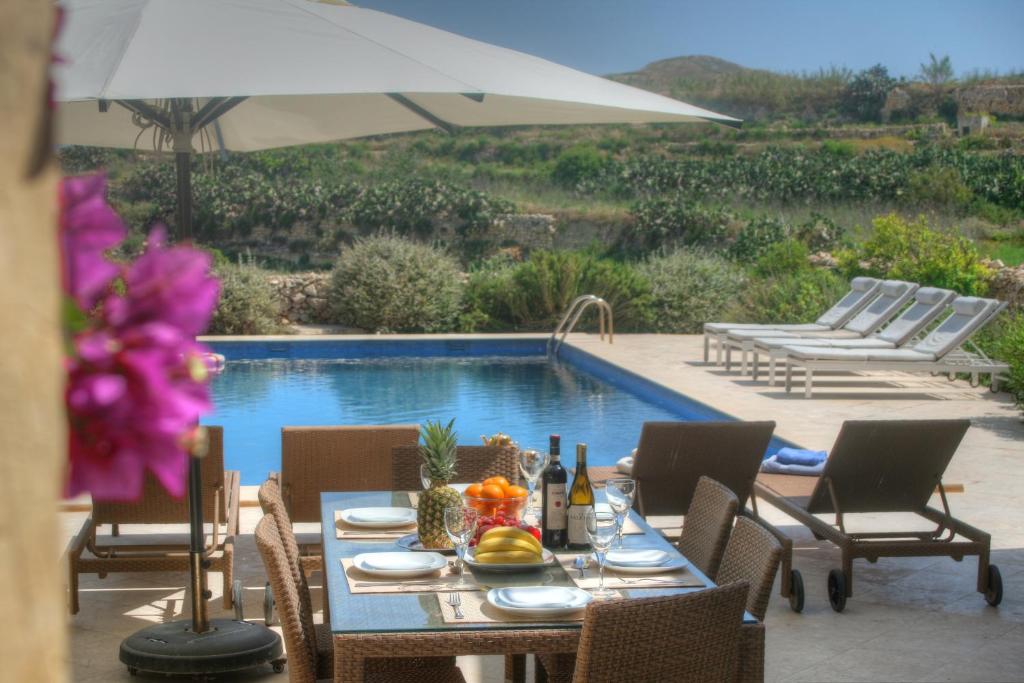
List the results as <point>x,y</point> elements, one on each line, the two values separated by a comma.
<point>410,612</point>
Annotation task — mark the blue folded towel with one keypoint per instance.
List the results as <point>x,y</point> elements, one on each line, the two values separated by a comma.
<point>796,456</point>
<point>773,466</point>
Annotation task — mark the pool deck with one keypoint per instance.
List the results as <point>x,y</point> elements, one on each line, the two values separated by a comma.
<point>911,619</point>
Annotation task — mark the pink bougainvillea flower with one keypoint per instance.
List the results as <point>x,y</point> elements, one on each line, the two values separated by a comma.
<point>88,228</point>
<point>172,285</point>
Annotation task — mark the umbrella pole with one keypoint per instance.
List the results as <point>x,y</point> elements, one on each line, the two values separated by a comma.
<point>183,165</point>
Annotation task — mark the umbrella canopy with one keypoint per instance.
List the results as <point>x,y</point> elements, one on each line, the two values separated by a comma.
<point>256,74</point>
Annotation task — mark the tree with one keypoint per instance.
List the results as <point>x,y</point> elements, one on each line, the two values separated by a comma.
<point>937,72</point>
<point>865,94</point>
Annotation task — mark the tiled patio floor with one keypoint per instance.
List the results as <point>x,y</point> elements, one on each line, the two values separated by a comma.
<point>909,619</point>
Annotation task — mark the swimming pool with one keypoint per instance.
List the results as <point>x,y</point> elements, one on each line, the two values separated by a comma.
<point>488,385</point>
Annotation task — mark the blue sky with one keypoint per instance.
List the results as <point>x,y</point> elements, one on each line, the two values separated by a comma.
<point>608,36</point>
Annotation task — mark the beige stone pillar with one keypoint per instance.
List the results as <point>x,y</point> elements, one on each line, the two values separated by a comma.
<point>33,625</point>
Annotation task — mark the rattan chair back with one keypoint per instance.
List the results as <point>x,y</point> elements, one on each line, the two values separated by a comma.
<point>886,465</point>
<point>707,524</point>
<point>752,555</point>
<point>300,643</point>
<point>672,456</point>
<point>678,638</point>
<point>347,458</point>
<point>156,506</point>
<point>475,463</point>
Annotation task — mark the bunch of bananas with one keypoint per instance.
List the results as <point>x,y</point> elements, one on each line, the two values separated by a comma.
<point>508,545</point>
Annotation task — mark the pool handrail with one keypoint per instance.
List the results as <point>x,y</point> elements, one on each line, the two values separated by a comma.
<point>576,309</point>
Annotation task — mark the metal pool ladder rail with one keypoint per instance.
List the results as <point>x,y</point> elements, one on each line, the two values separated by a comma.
<point>572,316</point>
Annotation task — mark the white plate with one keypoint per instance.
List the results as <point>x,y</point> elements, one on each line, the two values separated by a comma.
<point>547,558</point>
<point>674,564</point>
<point>539,601</point>
<point>637,557</point>
<point>379,518</point>
<point>399,564</point>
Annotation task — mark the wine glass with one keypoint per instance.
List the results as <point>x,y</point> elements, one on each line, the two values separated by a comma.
<point>532,464</point>
<point>620,492</point>
<point>601,531</point>
<point>460,525</point>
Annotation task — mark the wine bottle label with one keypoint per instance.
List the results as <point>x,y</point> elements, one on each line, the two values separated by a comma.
<point>554,510</point>
<point>578,524</point>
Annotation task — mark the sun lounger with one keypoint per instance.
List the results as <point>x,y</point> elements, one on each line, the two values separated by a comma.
<point>929,303</point>
<point>893,295</point>
<point>939,352</point>
<point>672,457</point>
<point>862,291</point>
<point>146,551</point>
<point>884,467</point>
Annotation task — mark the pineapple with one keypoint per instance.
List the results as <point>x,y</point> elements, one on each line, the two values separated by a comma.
<point>438,451</point>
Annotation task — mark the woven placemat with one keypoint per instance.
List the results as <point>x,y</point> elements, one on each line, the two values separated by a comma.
<point>444,580</point>
<point>477,610</point>
<point>344,530</point>
<point>680,578</point>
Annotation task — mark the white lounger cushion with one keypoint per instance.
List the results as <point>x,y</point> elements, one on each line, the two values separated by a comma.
<point>746,335</point>
<point>857,355</point>
<point>722,328</point>
<point>861,343</point>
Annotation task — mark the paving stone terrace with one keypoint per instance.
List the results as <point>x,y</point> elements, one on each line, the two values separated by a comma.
<point>909,619</point>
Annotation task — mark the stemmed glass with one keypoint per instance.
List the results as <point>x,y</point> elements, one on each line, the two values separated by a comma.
<point>620,492</point>
<point>460,525</point>
<point>601,530</point>
<point>532,464</point>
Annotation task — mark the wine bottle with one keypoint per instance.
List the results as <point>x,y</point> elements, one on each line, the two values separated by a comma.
<point>581,501</point>
<point>553,521</point>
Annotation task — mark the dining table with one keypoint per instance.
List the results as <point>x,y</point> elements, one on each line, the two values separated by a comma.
<point>408,618</point>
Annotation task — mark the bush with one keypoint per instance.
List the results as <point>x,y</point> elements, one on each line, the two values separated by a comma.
<point>534,294</point>
<point>578,166</point>
<point>781,258</point>
<point>247,302</point>
<point>798,297</point>
<point>865,94</point>
<point>486,292</point>
<point>675,221</point>
<point>912,251</point>
<point>1008,345</point>
<point>689,288</point>
<point>756,236</point>
<point>389,284</point>
<point>938,186</point>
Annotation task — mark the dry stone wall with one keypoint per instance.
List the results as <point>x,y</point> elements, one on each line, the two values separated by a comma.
<point>1008,284</point>
<point>302,297</point>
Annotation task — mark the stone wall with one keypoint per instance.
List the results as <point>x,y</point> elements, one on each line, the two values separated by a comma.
<point>302,297</point>
<point>1008,284</point>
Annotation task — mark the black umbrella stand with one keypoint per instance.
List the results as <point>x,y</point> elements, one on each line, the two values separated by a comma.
<point>200,646</point>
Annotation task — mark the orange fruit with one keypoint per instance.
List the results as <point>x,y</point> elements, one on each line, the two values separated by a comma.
<point>492,492</point>
<point>474,490</point>
<point>496,481</point>
<point>515,492</point>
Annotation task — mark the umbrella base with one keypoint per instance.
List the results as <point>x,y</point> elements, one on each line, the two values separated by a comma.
<point>174,648</point>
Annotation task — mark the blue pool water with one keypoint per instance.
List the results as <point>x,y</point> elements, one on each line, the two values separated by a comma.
<point>518,391</point>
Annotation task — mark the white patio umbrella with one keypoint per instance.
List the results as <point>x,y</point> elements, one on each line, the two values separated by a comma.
<point>242,75</point>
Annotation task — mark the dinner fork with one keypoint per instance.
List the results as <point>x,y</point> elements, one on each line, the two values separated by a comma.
<point>455,600</point>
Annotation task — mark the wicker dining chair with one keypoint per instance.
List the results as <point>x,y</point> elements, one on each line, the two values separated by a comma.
<point>707,524</point>
<point>308,658</point>
<point>475,463</point>
<point>752,555</point>
<point>679,638</point>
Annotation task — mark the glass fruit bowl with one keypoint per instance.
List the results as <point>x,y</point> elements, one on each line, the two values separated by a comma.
<point>509,508</point>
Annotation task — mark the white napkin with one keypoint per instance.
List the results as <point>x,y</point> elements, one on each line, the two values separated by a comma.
<point>382,515</point>
<point>637,557</point>
<point>538,596</point>
<point>396,561</point>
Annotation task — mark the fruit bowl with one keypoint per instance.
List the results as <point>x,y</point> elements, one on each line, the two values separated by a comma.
<point>509,508</point>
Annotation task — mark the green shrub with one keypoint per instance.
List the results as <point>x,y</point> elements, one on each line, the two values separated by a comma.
<point>486,295</point>
<point>839,148</point>
<point>578,165</point>
<point>756,236</point>
<point>689,288</point>
<point>413,206</point>
<point>865,94</point>
<point>913,251</point>
<point>781,258</point>
<point>938,186</point>
<point>675,221</point>
<point>389,284</point>
<point>1009,347</point>
<point>247,303</point>
<point>798,297</point>
<point>534,294</point>
<point>819,233</point>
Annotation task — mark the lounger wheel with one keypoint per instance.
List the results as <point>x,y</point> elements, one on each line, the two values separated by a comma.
<point>268,605</point>
<point>236,598</point>
<point>132,671</point>
<point>796,591</point>
<point>837,590</point>
<point>278,665</point>
<point>994,592</point>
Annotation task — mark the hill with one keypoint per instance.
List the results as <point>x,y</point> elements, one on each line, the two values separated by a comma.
<point>665,75</point>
